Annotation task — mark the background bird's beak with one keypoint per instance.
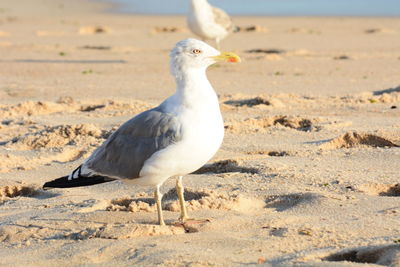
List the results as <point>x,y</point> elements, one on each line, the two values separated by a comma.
<point>227,56</point>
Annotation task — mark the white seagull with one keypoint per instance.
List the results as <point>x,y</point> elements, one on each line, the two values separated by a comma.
<point>174,139</point>
<point>208,22</point>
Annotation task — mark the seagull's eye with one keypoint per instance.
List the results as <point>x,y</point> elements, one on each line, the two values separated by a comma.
<point>196,51</point>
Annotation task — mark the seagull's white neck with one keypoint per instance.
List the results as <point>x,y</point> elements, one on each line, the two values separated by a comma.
<point>193,87</point>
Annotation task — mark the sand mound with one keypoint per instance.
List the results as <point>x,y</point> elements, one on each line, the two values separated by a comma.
<point>391,190</point>
<point>11,191</point>
<point>111,108</point>
<point>61,135</point>
<point>32,108</point>
<point>225,166</point>
<point>390,95</point>
<point>388,255</point>
<point>278,101</point>
<point>62,143</point>
<point>9,162</point>
<point>259,124</point>
<point>140,203</point>
<point>17,234</point>
<point>11,128</point>
<point>118,108</point>
<point>354,139</point>
<point>263,101</point>
<point>68,104</point>
<point>200,200</point>
<point>294,123</point>
<point>67,154</point>
<point>195,200</point>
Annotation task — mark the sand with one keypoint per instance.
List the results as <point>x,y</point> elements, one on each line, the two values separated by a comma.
<point>308,174</point>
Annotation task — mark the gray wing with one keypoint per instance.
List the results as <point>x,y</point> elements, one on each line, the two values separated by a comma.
<point>126,150</point>
<point>223,19</point>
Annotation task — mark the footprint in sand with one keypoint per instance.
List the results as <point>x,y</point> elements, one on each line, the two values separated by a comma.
<point>293,201</point>
<point>379,30</point>
<point>250,102</point>
<point>342,57</point>
<point>387,255</point>
<point>260,102</point>
<point>251,28</point>
<point>239,101</point>
<point>374,189</point>
<point>270,153</point>
<point>226,166</point>
<point>268,54</point>
<point>95,47</point>
<point>260,124</point>
<point>168,29</point>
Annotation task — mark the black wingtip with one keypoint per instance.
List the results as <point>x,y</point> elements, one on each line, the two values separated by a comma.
<point>63,182</point>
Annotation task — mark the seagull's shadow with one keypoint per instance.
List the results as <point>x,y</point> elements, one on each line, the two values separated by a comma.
<point>387,91</point>
<point>168,197</point>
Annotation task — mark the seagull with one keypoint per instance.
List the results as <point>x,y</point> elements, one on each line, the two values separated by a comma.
<point>171,140</point>
<point>208,22</point>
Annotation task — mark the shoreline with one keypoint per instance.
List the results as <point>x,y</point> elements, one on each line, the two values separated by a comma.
<point>118,8</point>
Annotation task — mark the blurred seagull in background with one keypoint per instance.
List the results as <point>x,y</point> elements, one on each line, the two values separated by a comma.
<point>174,139</point>
<point>209,22</point>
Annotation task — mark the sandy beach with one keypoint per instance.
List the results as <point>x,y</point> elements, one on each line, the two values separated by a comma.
<point>308,173</point>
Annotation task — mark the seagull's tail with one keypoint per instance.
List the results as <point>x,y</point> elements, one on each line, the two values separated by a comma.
<point>80,180</point>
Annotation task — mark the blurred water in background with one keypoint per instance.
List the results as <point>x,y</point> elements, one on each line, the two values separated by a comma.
<point>269,7</point>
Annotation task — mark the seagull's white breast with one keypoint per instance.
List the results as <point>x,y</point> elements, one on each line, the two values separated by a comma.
<point>202,135</point>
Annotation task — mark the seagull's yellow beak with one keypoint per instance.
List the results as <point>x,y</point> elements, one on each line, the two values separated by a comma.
<point>227,56</point>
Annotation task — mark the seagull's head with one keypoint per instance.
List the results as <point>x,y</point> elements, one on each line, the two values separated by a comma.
<point>192,54</point>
